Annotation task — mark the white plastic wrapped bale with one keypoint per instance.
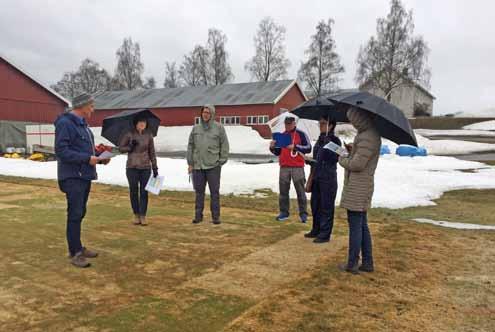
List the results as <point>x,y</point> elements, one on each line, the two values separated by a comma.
<point>485,125</point>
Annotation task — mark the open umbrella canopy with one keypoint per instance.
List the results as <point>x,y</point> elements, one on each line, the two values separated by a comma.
<point>310,127</point>
<point>319,107</point>
<point>390,121</point>
<point>118,124</point>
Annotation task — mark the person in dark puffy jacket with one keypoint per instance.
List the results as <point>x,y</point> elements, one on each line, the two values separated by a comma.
<point>76,168</point>
<point>322,183</point>
<point>141,161</point>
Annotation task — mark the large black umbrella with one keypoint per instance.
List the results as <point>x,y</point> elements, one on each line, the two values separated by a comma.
<point>118,124</point>
<point>390,121</point>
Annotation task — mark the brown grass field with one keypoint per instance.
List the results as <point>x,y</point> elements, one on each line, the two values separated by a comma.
<point>248,274</point>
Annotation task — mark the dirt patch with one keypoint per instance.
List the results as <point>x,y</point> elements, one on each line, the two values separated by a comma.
<point>7,206</point>
<point>266,270</point>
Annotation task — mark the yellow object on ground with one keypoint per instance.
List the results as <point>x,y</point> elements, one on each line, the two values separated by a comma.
<point>37,157</point>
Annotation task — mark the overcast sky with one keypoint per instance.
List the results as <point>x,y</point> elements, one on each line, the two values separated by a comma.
<point>50,37</point>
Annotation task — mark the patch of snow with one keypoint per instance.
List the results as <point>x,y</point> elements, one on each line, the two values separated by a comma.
<point>456,225</point>
<point>460,132</point>
<point>485,125</point>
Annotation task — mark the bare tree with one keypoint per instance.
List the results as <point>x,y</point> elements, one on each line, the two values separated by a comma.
<point>321,71</point>
<point>394,57</point>
<point>149,83</point>
<point>129,65</point>
<point>269,62</point>
<point>171,75</point>
<point>219,68</point>
<point>89,77</point>
<point>68,86</point>
<point>92,78</point>
<point>195,70</point>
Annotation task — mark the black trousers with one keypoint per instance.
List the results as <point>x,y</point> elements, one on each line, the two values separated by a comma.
<point>138,178</point>
<point>200,179</point>
<point>77,193</point>
<point>323,195</point>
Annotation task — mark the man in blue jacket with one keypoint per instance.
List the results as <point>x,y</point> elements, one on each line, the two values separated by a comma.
<point>76,168</point>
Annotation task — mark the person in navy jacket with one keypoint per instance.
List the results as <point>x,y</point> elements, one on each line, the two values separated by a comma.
<point>76,168</point>
<point>291,160</point>
<point>322,183</point>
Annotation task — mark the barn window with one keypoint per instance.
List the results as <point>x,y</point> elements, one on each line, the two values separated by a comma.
<point>196,120</point>
<point>230,120</point>
<point>257,119</point>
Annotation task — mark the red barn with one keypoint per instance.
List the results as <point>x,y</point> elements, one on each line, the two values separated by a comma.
<point>252,104</point>
<point>23,98</point>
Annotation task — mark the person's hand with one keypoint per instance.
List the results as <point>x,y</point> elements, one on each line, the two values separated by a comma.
<point>272,144</point>
<point>290,147</point>
<point>348,147</point>
<point>104,161</point>
<point>308,187</point>
<point>189,169</point>
<point>132,145</point>
<point>155,172</point>
<point>93,160</point>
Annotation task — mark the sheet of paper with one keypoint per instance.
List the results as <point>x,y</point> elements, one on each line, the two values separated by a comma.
<point>106,155</point>
<point>337,149</point>
<point>282,140</point>
<point>154,185</point>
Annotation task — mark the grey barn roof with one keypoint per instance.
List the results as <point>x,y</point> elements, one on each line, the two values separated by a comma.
<point>226,95</point>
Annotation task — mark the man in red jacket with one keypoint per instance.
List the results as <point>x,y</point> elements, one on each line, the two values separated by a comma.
<point>291,160</point>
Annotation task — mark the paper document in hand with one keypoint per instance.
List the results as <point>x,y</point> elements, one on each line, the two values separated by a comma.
<point>282,139</point>
<point>106,155</point>
<point>337,149</point>
<point>154,185</point>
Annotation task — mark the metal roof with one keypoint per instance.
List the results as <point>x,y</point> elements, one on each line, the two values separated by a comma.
<point>19,68</point>
<point>221,95</point>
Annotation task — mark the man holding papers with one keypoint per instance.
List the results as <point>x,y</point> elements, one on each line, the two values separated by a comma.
<point>290,147</point>
<point>76,168</point>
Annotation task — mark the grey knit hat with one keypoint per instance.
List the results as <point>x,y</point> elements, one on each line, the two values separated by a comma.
<point>82,100</point>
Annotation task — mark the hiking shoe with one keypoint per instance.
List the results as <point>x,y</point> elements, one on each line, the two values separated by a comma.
<point>366,268</point>
<point>197,221</point>
<point>217,222</point>
<point>346,268</point>
<point>89,253</point>
<point>310,235</point>
<point>137,220</point>
<point>303,218</point>
<point>79,260</point>
<point>143,221</point>
<point>282,217</point>
<point>320,240</point>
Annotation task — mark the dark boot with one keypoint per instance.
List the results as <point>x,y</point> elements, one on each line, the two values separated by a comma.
<point>366,268</point>
<point>346,268</point>
<point>89,253</point>
<point>310,235</point>
<point>79,260</point>
<point>321,240</point>
<point>217,221</point>
<point>197,220</point>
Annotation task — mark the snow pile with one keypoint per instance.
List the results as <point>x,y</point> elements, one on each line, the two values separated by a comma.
<point>458,133</point>
<point>456,225</point>
<point>485,125</point>
<point>487,113</point>
<point>400,181</point>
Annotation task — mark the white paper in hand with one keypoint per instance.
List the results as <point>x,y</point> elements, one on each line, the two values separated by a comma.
<point>337,149</point>
<point>154,185</point>
<point>106,155</point>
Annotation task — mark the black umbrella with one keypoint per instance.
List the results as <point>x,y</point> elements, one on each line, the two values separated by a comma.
<point>316,108</point>
<point>118,124</point>
<point>390,121</point>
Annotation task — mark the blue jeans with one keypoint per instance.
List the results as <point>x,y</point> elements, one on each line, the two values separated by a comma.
<point>359,238</point>
<point>77,193</point>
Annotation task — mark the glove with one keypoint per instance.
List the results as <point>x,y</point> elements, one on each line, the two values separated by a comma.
<point>132,145</point>
<point>155,172</point>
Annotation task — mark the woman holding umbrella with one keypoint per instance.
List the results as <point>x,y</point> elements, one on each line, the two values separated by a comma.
<point>141,161</point>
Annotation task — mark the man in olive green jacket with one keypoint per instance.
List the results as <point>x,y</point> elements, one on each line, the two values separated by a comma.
<point>207,152</point>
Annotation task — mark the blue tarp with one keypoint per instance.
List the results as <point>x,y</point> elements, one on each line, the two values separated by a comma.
<point>411,151</point>
<point>384,149</point>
